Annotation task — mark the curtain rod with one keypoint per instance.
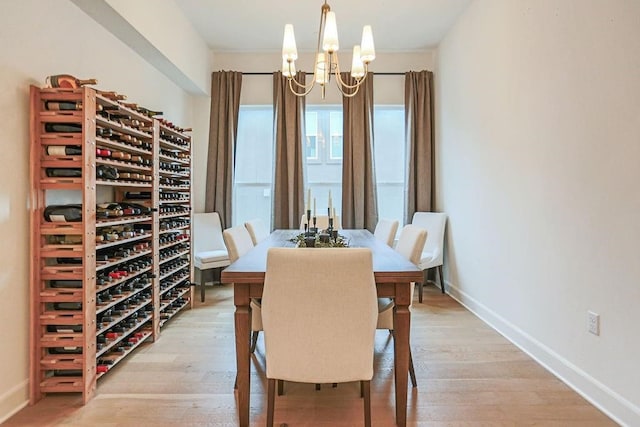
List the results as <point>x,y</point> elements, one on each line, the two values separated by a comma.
<point>264,73</point>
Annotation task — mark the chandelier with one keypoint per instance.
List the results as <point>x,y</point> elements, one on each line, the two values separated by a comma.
<point>326,57</point>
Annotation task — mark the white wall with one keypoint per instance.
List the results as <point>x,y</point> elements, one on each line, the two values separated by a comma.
<point>538,125</point>
<point>258,89</point>
<point>38,39</point>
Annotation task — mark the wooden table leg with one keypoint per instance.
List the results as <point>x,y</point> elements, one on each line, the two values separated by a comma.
<point>243,332</point>
<point>402,326</point>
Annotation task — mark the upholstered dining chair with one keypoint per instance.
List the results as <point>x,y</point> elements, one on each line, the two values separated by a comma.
<point>410,244</point>
<point>322,222</point>
<point>337,308</point>
<point>209,250</point>
<point>257,230</point>
<point>239,242</point>
<point>385,231</point>
<point>431,257</point>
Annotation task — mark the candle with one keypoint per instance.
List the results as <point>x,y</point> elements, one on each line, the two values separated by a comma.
<point>309,198</point>
<point>334,214</point>
<point>330,202</point>
<point>314,206</point>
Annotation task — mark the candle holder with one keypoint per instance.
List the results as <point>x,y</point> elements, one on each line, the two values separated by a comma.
<point>310,241</point>
<point>308,221</point>
<point>315,226</point>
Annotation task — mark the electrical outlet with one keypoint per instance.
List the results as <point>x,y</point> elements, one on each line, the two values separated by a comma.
<point>594,323</point>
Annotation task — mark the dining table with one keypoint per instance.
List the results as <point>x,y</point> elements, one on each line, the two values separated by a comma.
<point>393,274</point>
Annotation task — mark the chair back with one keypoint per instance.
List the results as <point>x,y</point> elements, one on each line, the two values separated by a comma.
<point>238,241</point>
<point>386,231</point>
<point>257,230</point>
<point>322,222</point>
<point>207,232</point>
<point>319,325</point>
<point>434,223</point>
<point>411,242</point>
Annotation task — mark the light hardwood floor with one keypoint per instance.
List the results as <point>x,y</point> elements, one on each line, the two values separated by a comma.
<point>468,375</point>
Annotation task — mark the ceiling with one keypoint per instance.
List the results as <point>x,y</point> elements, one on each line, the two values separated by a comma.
<point>257,25</point>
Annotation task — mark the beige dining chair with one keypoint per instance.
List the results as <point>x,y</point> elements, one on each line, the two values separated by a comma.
<point>322,222</point>
<point>209,250</point>
<point>386,230</point>
<point>432,253</point>
<point>257,229</point>
<point>336,307</point>
<point>239,242</point>
<point>410,244</point>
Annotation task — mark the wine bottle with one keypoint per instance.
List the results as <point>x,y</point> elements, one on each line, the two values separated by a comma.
<point>104,132</point>
<point>148,112</point>
<point>62,106</point>
<point>64,150</point>
<point>63,213</point>
<point>112,95</point>
<point>106,172</point>
<point>113,209</point>
<point>63,127</point>
<point>65,283</point>
<point>137,195</point>
<point>63,172</point>
<point>67,81</point>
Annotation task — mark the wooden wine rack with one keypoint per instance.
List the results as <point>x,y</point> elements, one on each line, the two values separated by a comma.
<point>99,287</point>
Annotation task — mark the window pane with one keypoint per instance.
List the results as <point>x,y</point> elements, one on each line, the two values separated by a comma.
<point>389,161</point>
<point>311,143</point>
<point>254,165</point>
<point>324,171</point>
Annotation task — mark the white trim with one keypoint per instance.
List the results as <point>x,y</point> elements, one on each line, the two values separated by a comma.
<point>608,401</point>
<point>14,393</point>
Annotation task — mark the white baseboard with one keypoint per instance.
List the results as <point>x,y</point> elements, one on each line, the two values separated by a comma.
<point>13,400</point>
<point>608,401</point>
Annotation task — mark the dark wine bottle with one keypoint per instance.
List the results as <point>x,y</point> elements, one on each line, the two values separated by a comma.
<point>106,172</point>
<point>64,172</point>
<point>137,195</point>
<point>62,106</point>
<point>65,284</point>
<point>63,213</point>
<point>64,150</point>
<point>104,132</point>
<point>63,127</point>
<point>67,81</point>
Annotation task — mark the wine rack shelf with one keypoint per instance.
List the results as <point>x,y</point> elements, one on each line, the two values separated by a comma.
<point>106,275</point>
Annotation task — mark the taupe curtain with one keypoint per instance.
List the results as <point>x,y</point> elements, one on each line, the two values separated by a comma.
<point>359,202</point>
<point>223,130</point>
<point>288,181</point>
<point>419,131</point>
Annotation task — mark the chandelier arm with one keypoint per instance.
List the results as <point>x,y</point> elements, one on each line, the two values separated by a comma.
<point>358,81</point>
<point>304,86</point>
<point>306,91</point>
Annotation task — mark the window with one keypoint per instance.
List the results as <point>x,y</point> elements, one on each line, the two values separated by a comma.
<point>324,169</point>
<point>389,160</point>
<point>323,152</point>
<point>253,176</point>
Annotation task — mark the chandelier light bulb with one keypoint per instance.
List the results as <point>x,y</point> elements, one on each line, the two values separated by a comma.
<point>330,42</point>
<point>322,76</point>
<point>357,67</point>
<point>367,49</point>
<point>289,50</point>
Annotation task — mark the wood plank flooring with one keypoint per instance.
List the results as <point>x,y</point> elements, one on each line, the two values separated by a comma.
<point>468,375</point>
